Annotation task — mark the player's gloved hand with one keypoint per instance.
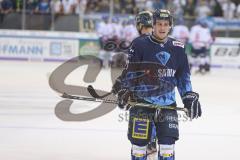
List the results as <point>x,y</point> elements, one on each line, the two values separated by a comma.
<point>116,86</point>
<point>122,98</point>
<point>190,101</point>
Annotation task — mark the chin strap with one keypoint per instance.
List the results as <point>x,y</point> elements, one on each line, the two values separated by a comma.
<point>158,40</point>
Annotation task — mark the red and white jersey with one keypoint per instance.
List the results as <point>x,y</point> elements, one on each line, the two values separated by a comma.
<point>67,6</point>
<point>129,32</point>
<point>100,28</point>
<point>181,33</point>
<point>117,30</point>
<point>200,37</point>
<point>105,30</point>
<point>228,9</point>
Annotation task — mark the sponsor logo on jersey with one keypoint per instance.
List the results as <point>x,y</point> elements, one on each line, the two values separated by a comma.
<point>131,51</point>
<point>179,44</point>
<point>140,128</point>
<point>173,126</point>
<point>166,72</point>
<point>171,118</point>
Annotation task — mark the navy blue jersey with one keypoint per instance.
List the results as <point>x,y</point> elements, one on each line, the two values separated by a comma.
<point>171,55</point>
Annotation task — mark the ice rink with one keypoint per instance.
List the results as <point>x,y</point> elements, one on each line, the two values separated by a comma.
<point>30,130</point>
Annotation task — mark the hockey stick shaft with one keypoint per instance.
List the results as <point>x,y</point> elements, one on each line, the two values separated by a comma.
<point>65,95</point>
<point>158,106</point>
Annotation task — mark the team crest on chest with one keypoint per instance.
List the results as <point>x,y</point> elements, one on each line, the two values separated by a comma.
<point>163,57</point>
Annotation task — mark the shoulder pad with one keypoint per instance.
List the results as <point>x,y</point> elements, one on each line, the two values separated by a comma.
<point>178,43</point>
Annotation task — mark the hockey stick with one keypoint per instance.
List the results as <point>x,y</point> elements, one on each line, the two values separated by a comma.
<point>132,103</point>
<point>94,94</point>
<point>68,96</point>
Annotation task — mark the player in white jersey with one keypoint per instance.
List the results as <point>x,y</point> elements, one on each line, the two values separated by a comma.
<point>117,29</point>
<point>116,38</point>
<point>124,35</point>
<point>105,33</point>
<point>130,31</point>
<point>180,31</point>
<point>102,30</point>
<point>200,39</point>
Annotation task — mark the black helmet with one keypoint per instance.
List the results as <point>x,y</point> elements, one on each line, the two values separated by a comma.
<point>162,14</point>
<point>143,18</point>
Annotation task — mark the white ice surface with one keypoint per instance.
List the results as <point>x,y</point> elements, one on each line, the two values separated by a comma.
<point>29,129</point>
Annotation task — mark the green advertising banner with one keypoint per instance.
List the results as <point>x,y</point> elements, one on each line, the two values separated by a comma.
<point>89,47</point>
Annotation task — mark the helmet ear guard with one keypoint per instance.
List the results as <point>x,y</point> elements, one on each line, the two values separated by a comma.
<point>139,27</point>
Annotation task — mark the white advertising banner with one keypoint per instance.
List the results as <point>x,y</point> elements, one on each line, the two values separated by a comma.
<point>225,52</point>
<point>37,48</point>
<point>40,45</point>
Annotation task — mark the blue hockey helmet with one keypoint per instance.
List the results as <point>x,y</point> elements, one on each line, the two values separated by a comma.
<point>202,22</point>
<point>143,18</point>
<point>162,14</point>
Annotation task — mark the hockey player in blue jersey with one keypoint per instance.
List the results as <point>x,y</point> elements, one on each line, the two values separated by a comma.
<point>170,69</point>
<point>144,26</point>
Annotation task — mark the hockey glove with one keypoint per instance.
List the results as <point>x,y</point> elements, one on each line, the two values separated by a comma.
<point>190,101</point>
<point>116,86</point>
<point>122,98</point>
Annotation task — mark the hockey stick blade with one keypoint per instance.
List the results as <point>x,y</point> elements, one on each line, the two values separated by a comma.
<point>94,94</point>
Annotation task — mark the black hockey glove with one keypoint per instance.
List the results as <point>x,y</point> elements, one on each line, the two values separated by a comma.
<point>190,101</point>
<point>116,86</point>
<point>123,97</point>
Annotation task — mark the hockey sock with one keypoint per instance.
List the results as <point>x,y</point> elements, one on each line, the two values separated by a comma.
<point>139,152</point>
<point>166,152</point>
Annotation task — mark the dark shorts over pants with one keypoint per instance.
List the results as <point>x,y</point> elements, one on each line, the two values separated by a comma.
<point>140,125</point>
